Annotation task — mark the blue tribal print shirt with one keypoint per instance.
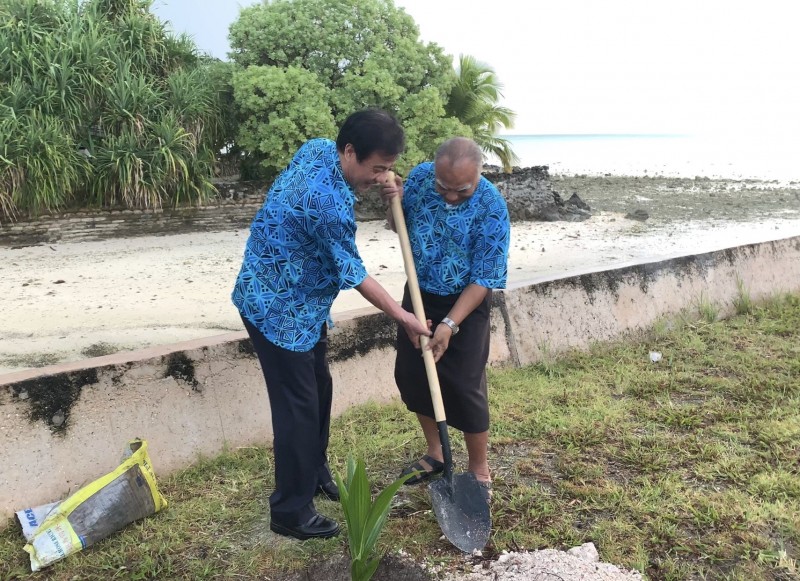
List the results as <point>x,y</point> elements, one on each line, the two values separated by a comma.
<point>301,251</point>
<point>458,245</point>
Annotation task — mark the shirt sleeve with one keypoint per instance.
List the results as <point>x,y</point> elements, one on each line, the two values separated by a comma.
<point>334,227</point>
<point>490,250</point>
<point>411,188</point>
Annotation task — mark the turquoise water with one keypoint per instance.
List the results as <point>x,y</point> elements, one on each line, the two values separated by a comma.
<point>758,157</point>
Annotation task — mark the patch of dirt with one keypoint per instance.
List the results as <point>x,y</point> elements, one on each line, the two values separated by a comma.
<point>581,563</point>
<point>578,564</point>
<point>392,568</point>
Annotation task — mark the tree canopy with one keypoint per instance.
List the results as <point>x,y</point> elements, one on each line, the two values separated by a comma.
<point>101,105</point>
<point>359,53</point>
<point>280,108</point>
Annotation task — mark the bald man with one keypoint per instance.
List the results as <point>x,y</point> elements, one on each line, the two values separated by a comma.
<point>459,229</point>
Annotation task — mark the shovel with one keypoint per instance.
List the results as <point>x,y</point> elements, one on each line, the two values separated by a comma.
<point>458,500</point>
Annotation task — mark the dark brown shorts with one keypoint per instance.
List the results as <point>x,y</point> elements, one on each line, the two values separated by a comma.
<point>461,370</point>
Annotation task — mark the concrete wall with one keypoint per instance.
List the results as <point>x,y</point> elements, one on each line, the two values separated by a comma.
<point>549,316</point>
<point>65,425</point>
<point>234,207</point>
<point>528,193</point>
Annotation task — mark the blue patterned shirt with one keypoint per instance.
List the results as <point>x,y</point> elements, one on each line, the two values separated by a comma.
<point>301,251</point>
<point>457,246</point>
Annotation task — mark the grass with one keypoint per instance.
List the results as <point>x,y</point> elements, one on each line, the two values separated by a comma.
<point>100,349</point>
<point>688,468</point>
<point>708,311</point>
<point>31,360</point>
<point>742,303</point>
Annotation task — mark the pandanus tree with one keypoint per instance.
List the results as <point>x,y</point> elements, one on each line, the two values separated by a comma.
<point>100,105</point>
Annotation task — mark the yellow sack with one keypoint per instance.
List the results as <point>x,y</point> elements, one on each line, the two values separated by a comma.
<point>95,511</point>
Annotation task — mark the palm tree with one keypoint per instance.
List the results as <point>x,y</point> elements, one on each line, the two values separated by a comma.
<point>473,101</point>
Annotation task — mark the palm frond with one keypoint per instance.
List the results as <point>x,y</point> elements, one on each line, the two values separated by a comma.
<point>474,101</point>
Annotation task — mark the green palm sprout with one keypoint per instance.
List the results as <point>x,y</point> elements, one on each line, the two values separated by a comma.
<point>365,518</point>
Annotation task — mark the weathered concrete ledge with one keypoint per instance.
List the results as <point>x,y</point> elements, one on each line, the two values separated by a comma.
<point>63,426</point>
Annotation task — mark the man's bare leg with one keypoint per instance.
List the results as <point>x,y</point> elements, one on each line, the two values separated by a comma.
<point>431,432</point>
<point>478,449</point>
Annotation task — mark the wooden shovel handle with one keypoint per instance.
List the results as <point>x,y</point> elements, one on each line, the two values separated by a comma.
<point>416,301</point>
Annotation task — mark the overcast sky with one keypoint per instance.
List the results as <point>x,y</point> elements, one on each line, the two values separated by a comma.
<point>618,66</point>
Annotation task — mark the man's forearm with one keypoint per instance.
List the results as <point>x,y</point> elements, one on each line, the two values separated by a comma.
<point>469,300</point>
<point>371,290</point>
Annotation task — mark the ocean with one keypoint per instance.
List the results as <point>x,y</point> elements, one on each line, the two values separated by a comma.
<point>739,157</point>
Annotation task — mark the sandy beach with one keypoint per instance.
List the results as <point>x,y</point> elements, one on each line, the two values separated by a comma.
<point>70,301</point>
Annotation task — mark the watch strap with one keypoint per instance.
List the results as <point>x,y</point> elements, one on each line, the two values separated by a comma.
<point>450,323</point>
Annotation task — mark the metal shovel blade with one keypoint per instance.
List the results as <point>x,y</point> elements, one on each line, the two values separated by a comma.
<point>462,511</point>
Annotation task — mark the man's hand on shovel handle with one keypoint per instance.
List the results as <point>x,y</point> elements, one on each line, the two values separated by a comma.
<point>392,187</point>
<point>392,194</point>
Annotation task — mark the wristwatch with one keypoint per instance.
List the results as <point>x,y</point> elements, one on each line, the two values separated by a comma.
<point>450,323</point>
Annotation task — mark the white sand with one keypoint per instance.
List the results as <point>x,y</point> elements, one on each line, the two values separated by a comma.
<point>137,292</point>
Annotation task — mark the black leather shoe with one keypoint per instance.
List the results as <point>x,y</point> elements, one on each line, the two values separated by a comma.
<point>318,527</point>
<point>329,490</point>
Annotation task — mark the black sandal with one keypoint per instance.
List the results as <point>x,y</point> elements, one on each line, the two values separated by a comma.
<point>423,474</point>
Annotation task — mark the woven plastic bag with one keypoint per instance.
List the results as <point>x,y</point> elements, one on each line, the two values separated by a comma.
<point>97,510</point>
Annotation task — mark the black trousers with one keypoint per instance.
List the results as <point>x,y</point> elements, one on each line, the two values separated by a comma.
<point>461,370</point>
<point>300,392</point>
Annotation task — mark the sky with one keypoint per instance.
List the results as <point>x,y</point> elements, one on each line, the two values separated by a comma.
<point>617,66</point>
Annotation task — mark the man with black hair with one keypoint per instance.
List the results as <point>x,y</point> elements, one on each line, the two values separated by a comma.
<point>301,252</point>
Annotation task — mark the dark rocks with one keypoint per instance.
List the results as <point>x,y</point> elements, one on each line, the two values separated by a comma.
<point>527,191</point>
<point>638,214</point>
<point>577,202</point>
<point>530,196</point>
